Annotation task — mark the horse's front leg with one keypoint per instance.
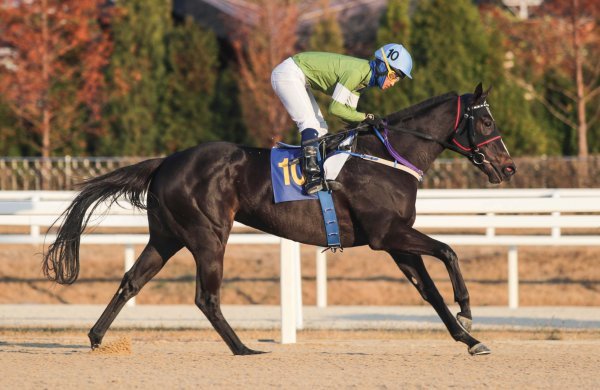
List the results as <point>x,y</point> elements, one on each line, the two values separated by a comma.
<point>409,240</point>
<point>414,269</point>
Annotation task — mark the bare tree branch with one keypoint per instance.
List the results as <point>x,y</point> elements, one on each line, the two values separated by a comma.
<point>540,98</point>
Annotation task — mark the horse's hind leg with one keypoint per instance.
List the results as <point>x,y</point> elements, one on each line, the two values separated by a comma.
<point>414,269</point>
<point>150,261</point>
<point>209,276</point>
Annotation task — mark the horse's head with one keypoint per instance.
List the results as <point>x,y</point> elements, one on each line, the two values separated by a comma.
<point>477,137</point>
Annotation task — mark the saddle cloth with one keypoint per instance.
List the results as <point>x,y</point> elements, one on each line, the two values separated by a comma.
<point>287,179</point>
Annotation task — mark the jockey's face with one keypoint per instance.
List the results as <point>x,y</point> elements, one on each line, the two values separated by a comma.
<point>390,82</point>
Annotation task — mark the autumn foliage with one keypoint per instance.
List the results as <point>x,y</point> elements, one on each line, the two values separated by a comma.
<point>56,52</point>
<point>133,78</point>
<point>260,45</point>
<point>554,57</point>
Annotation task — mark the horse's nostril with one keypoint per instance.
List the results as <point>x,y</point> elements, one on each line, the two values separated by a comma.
<point>509,170</point>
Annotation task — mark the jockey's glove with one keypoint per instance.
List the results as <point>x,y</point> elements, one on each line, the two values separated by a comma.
<point>373,120</point>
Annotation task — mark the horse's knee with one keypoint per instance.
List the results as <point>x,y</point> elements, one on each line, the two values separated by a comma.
<point>128,288</point>
<point>446,253</point>
<point>207,303</point>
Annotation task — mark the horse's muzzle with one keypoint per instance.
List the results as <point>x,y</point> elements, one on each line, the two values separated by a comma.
<point>508,170</point>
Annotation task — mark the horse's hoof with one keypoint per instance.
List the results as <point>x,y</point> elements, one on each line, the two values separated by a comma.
<point>466,323</point>
<point>248,351</point>
<point>479,349</point>
<point>95,346</point>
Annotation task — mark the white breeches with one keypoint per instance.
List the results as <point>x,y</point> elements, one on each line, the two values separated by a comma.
<point>289,83</point>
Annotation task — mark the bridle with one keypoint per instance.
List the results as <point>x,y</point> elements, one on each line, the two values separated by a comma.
<point>466,127</point>
<point>464,133</point>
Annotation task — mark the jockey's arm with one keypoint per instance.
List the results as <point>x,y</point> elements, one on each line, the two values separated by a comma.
<point>345,98</point>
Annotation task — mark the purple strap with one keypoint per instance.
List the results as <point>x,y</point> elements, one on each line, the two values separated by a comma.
<point>393,152</point>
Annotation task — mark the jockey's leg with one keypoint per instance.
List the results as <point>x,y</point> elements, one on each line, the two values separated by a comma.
<point>311,168</point>
<point>289,83</point>
<point>323,128</point>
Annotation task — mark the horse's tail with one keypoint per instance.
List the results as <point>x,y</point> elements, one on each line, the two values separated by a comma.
<point>61,261</point>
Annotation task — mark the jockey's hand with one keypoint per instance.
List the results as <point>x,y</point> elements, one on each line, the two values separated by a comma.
<point>373,120</point>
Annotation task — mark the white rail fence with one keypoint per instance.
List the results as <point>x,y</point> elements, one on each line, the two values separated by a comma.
<point>512,218</point>
<point>38,210</point>
<point>488,217</point>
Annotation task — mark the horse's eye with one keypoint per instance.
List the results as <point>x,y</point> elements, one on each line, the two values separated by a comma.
<point>487,126</point>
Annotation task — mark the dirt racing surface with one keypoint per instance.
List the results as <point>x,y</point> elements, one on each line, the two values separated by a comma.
<point>320,359</point>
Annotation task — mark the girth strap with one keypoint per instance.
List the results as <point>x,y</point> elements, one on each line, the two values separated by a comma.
<point>332,229</point>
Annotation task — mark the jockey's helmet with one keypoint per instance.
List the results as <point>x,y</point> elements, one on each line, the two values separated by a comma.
<point>396,57</point>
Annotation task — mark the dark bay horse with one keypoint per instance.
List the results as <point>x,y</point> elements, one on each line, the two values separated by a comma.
<point>194,196</point>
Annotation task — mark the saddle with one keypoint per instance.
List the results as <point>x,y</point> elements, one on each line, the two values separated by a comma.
<point>335,150</point>
<point>330,144</point>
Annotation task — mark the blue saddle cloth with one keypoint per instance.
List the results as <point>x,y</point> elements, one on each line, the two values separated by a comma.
<point>287,179</point>
<point>287,182</point>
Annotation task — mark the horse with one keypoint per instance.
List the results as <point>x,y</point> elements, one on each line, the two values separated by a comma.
<point>193,197</point>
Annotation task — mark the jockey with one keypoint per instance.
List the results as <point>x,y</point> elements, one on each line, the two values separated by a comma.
<point>343,78</point>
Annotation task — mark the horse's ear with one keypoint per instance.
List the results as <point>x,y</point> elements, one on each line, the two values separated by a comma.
<point>479,95</point>
<point>487,93</point>
<point>478,92</point>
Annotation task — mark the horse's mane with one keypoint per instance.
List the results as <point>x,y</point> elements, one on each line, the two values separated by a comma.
<point>418,108</point>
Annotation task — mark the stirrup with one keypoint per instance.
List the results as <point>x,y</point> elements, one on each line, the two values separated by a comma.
<point>313,187</point>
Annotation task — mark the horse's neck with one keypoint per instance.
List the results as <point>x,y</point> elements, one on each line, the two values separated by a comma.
<point>420,152</point>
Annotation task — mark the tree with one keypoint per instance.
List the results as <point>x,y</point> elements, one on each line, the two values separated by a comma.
<point>137,78</point>
<point>191,75</point>
<point>227,116</point>
<point>260,46</point>
<point>556,63</point>
<point>522,130</point>
<point>454,56</point>
<point>54,70</point>
<point>327,36</point>
<point>449,46</point>
<point>326,33</point>
<point>13,135</point>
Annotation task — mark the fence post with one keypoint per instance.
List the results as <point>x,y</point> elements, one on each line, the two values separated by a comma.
<point>513,277</point>
<point>35,229</point>
<point>321,278</point>
<point>298,285</point>
<point>490,231</point>
<point>129,259</point>
<point>68,173</point>
<point>288,296</point>
<point>556,214</point>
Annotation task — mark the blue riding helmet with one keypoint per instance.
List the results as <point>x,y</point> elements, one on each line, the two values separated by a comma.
<point>397,57</point>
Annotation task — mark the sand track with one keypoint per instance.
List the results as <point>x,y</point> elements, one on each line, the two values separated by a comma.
<point>367,359</point>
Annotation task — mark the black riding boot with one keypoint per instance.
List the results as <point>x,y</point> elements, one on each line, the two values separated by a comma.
<point>310,164</point>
